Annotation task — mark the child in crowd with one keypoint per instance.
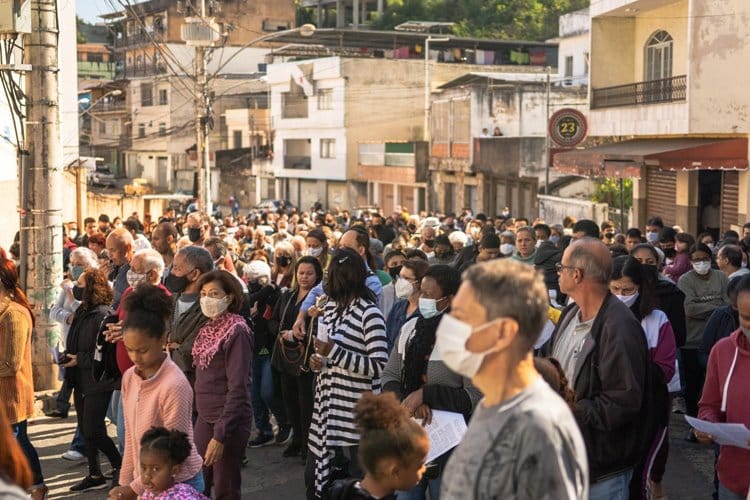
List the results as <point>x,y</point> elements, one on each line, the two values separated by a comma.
<point>162,453</point>
<point>392,450</point>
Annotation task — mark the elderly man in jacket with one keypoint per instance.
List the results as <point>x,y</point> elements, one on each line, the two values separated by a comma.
<point>603,351</point>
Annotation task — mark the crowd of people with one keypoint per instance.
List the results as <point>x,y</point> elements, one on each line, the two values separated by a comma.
<point>564,347</point>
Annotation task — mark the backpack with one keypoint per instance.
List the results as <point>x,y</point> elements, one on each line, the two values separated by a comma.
<point>104,365</point>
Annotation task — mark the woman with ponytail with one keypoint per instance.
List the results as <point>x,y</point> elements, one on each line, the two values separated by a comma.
<point>16,384</point>
<point>392,450</point>
<point>155,392</point>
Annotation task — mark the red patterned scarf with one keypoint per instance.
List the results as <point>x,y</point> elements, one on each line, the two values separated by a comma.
<point>212,336</point>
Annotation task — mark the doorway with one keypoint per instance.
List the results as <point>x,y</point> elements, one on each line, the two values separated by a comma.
<point>709,202</point>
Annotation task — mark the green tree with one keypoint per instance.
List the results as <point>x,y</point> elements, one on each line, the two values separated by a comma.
<point>608,191</point>
<point>80,35</point>
<point>499,19</point>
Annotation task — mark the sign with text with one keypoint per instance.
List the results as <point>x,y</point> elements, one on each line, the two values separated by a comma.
<point>567,127</point>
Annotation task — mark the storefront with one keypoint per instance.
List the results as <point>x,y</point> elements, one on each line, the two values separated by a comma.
<point>674,178</point>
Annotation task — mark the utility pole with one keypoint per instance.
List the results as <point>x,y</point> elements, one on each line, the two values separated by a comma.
<point>202,123</point>
<point>547,144</point>
<point>41,194</point>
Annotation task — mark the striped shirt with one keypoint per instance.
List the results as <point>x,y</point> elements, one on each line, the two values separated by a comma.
<point>354,366</point>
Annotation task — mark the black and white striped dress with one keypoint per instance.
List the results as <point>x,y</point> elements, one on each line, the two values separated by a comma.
<point>354,366</point>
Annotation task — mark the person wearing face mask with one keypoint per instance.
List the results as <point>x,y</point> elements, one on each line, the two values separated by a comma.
<point>120,248</point>
<point>222,355</point>
<point>317,246</point>
<point>667,243</point>
<point>488,249</point>
<point>189,264</point>
<point>603,352</point>
<point>654,227</point>
<point>705,290</point>
<point>495,320</point>
<point>284,259</point>
<point>634,284</point>
<point>444,252</point>
<point>408,291</point>
<point>724,398</point>
<point>198,228</point>
<point>428,241</point>
<point>266,383</point>
<point>420,378</point>
<point>393,262</point>
<point>546,258</point>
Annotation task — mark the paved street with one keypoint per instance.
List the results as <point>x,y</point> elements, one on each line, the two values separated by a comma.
<point>269,477</point>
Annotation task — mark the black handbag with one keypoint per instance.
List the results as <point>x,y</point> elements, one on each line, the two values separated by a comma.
<point>292,357</point>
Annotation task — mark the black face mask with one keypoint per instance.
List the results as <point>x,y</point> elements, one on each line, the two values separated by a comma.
<point>283,261</point>
<point>412,228</point>
<point>194,234</point>
<point>429,243</point>
<point>394,272</point>
<point>443,255</point>
<point>78,292</point>
<point>176,284</point>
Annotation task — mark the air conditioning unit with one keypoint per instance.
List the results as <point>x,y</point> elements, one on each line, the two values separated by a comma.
<point>200,33</point>
<point>15,16</point>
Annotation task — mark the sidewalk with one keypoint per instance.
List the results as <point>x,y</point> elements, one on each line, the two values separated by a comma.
<point>267,476</point>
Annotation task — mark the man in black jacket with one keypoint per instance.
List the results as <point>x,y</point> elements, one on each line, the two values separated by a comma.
<point>601,346</point>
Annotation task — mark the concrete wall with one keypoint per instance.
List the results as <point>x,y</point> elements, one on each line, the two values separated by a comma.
<point>553,209</point>
<point>720,38</point>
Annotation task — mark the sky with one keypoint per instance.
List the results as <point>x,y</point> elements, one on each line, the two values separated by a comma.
<point>91,9</point>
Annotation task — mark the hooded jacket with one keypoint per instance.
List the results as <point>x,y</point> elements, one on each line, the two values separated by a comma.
<point>545,259</point>
<point>726,399</point>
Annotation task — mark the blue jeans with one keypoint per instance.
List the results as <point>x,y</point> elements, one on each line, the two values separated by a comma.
<point>613,488</point>
<point>21,435</point>
<point>265,396</point>
<point>419,492</point>
<point>117,417</point>
<point>726,494</point>
<point>78,444</point>
<point>197,482</point>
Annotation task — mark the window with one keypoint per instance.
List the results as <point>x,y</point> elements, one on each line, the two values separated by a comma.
<point>325,99</point>
<point>103,128</point>
<point>147,97</point>
<point>328,148</point>
<point>293,105</point>
<point>568,66</point>
<point>658,56</point>
<point>237,139</point>
<point>141,130</point>
<point>162,129</point>
<point>585,63</point>
<point>163,101</point>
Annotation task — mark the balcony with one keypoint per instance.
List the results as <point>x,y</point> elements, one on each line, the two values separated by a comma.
<point>145,70</point>
<point>297,162</point>
<point>139,39</point>
<point>109,107</point>
<point>666,90</point>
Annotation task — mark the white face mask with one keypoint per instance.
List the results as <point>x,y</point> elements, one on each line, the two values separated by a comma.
<point>212,307</point>
<point>315,252</point>
<point>404,288</point>
<point>135,279</point>
<point>506,249</point>
<point>702,268</point>
<point>652,236</point>
<point>451,337</point>
<point>628,300</point>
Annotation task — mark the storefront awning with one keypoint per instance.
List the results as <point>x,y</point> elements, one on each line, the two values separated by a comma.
<point>627,158</point>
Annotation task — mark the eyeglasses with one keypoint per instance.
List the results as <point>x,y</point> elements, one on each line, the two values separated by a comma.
<point>559,267</point>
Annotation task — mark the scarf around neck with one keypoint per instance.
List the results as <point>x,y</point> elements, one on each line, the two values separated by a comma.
<point>213,335</point>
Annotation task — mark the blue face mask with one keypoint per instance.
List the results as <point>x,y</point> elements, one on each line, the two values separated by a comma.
<point>76,272</point>
<point>554,239</point>
<point>428,307</point>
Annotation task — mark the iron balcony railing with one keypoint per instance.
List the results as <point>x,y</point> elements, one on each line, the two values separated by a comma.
<point>651,92</point>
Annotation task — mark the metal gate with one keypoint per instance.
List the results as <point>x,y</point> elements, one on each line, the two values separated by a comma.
<point>661,199</point>
<point>730,194</point>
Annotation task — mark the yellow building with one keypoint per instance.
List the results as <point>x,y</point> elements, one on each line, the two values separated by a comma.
<point>667,83</point>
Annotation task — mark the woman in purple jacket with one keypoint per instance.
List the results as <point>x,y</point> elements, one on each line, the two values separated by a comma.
<point>222,355</point>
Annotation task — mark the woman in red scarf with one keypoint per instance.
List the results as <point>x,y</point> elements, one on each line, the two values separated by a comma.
<point>222,355</point>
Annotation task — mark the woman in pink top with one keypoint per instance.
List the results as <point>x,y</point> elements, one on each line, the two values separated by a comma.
<point>155,392</point>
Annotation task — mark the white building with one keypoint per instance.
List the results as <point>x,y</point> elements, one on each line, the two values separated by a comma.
<point>574,41</point>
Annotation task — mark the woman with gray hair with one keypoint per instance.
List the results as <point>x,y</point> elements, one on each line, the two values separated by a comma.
<point>81,260</point>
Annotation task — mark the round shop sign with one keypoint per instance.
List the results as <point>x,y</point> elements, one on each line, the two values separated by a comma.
<point>567,127</point>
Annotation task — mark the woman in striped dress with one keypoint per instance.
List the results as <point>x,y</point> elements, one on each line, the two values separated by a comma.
<point>351,352</point>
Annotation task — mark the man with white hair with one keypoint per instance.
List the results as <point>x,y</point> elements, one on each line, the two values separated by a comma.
<point>458,239</point>
<point>120,248</point>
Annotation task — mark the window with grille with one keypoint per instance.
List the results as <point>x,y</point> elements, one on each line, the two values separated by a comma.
<point>162,129</point>
<point>147,94</point>
<point>141,130</point>
<point>328,148</point>
<point>325,99</point>
<point>163,99</point>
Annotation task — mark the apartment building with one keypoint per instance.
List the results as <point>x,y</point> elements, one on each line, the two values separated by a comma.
<point>668,90</point>
<point>574,48</point>
<point>151,54</point>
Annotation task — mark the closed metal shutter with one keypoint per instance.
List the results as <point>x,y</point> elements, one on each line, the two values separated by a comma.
<point>730,195</point>
<point>661,188</point>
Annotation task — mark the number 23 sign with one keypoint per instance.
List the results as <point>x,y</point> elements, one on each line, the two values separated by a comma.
<point>567,127</point>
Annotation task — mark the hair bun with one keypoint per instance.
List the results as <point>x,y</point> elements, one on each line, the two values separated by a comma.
<point>148,298</point>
